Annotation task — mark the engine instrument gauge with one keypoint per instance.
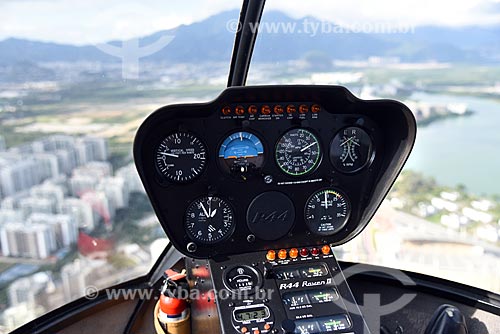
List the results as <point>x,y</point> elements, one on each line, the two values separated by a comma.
<point>351,150</point>
<point>181,157</point>
<point>209,220</point>
<point>298,152</point>
<point>241,153</point>
<point>327,211</point>
<point>242,278</point>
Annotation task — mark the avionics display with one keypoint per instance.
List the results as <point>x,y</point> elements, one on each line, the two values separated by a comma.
<point>250,314</point>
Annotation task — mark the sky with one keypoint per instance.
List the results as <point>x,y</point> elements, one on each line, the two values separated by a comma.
<point>94,21</point>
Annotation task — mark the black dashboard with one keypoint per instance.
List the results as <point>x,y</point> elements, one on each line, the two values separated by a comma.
<point>271,167</point>
<point>263,182</point>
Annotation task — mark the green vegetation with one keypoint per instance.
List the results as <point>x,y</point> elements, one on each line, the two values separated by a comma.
<point>126,228</point>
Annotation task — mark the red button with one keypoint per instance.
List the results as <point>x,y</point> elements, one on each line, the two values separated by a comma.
<point>304,252</point>
<point>315,251</point>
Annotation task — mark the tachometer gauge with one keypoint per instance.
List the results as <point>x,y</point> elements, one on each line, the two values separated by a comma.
<point>209,220</point>
<point>351,150</point>
<point>298,152</point>
<point>327,211</point>
<point>181,157</point>
<point>241,153</point>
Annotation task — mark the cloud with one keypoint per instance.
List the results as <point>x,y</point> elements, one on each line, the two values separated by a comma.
<point>95,21</point>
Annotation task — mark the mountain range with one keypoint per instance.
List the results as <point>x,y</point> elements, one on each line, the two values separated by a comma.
<point>210,40</point>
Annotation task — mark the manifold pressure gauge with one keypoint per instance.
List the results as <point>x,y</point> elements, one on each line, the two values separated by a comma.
<point>298,152</point>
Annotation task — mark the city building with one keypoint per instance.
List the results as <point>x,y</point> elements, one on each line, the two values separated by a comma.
<point>86,178</point>
<point>64,227</point>
<point>115,190</point>
<point>477,216</point>
<point>81,212</point>
<point>31,205</point>
<point>131,177</point>
<point>10,216</point>
<point>18,173</point>
<point>96,149</point>
<point>442,204</point>
<point>18,315</point>
<point>35,241</point>
<point>26,289</point>
<point>78,275</point>
<point>100,204</point>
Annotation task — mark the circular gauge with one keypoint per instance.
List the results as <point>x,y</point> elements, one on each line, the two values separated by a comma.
<point>351,150</point>
<point>209,220</point>
<point>327,211</point>
<point>242,279</point>
<point>241,153</point>
<point>298,152</point>
<point>181,157</point>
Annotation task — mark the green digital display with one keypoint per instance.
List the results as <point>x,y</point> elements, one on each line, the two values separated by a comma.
<point>250,314</point>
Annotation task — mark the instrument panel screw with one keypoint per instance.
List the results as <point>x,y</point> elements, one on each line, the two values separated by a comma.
<point>268,179</point>
<point>191,247</point>
<point>251,238</point>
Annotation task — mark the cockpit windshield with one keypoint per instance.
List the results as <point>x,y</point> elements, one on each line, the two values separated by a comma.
<point>442,216</point>
<point>78,78</point>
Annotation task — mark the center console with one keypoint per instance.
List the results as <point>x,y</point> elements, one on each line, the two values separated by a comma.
<point>297,290</point>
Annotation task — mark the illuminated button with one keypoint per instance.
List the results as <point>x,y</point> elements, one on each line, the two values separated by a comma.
<point>239,110</point>
<point>266,110</point>
<point>303,109</point>
<point>267,327</point>
<point>294,252</point>
<point>325,250</point>
<point>278,109</point>
<point>256,331</point>
<point>226,110</point>
<point>282,254</point>
<point>315,108</point>
<point>252,110</point>
<point>271,255</point>
<point>244,329</point>
<point>304,252</point>
<point>314,251</point>
<point>291,109</point>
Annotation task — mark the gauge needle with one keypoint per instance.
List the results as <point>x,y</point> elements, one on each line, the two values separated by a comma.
<point>326,201</point>
<point>305,148</point>
<point>209,207</point>
<point>213,213</point>
<point>204,210</point>
<point>170,154</point>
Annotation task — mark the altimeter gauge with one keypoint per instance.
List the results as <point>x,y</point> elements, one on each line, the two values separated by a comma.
<point>209,220</point>
<point>298,152</point>
<point>351,150</point>
<point>181,157</point>
<point>327,212</point>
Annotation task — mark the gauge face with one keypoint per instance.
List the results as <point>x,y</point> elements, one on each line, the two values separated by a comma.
<point>241,153</point>
<point>327,211</point>
<point>181,157</point>
<point>298,152</point>
<point>242,279</point>
<point>351,150</point>
<point>209,220</point>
